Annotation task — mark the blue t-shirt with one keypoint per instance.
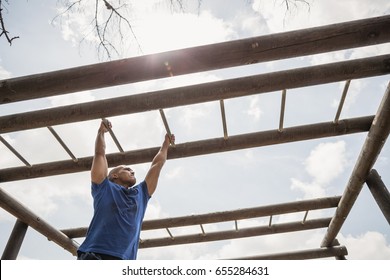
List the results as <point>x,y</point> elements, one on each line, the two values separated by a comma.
<point>116,224</point>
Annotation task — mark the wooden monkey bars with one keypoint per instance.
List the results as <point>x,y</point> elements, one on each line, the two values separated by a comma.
<point>311,41</point>
<point>202,147</point>
<point>214,91</point>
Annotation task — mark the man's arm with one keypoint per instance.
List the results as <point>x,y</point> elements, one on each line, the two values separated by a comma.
<point>157,164</point>
<point>99,168</point>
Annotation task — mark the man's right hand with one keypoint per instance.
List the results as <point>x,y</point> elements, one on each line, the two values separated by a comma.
<point>105,126</point>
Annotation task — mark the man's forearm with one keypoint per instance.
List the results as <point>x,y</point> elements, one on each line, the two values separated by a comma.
<point>100,144</point>
<point>99,163</point>
<point>162,154</point>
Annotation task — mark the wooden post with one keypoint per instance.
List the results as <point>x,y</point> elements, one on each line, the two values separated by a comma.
<point>21,212</point>
<point>380,193</point>
<point>372,147</point>
<point>15,241</point>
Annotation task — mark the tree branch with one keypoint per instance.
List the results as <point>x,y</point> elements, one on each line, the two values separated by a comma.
<point>2,28</point>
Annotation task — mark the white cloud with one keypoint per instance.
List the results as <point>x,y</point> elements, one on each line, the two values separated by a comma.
<point>280,19</point>
<point>76,24</point>
<point>368,246</point>
<point>310,190</point>
<point>254,25</point>
<point>318,13</point>
<point>154,211</point>
<point>269,244</point>
<point>325,163</point>
<point>324,58</point>
<point>178,252</point>
<point>7,157</point>
<point>191,115</point>
<point>254,108</point>
<point>160,31</point>
<point>354,90</point>
<point>174,173</point>
<point>315,13</point>
<point>155,26</point>
<point>70,99</point>
<point>42,196</point>
<point>4,74</point>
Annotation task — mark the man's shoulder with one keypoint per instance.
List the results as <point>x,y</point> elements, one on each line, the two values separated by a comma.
<point>144,188</point>
<point>106,181</point>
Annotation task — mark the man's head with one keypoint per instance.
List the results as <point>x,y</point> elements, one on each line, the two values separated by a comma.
<point>122,175</point>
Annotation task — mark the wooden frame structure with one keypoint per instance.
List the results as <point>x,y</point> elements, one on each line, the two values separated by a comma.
<point>204,58</point>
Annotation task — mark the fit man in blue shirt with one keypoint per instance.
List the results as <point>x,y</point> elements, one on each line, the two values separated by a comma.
<point>119,204</point>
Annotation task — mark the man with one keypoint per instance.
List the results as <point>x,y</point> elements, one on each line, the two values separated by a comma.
<point>119,204</point>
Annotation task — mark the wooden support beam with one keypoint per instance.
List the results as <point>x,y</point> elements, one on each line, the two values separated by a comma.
<point>170,234</point>
<point>225,216</point>
<point>196,148</point>
<point>247,213</point>
<point>223,116</point>
<point>204,58</point>
<point>337,251</point>
<point>14,151</point>
<point>166,125</point>
<point>371,149</point>
<point>21,212</point>
<point>305,217</point>
<point>380,193</point>
<point>282,110</point>
<point>75,232</point>
<point>202,229</point>
<point>15,241</point>
<point>213,91</point>
<point>62,143</point>
<point>341,104</point>
<point>233,234</point>
<point>112,134</point>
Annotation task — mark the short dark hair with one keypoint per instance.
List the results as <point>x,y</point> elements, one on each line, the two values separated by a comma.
<point>114,171</point>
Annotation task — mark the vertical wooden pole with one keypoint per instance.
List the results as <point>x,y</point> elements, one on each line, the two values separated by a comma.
<point>223,115</point>
<point>380,193</point>
<point>15,241</point>
<point>342,100</point>
<point>282,109</point>
<point>14,207</point>
<point>371,149</point>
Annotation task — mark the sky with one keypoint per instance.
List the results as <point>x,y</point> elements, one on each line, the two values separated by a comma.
<point>203,184</point>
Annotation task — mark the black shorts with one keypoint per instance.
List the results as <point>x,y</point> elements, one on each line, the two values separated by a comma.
<point>95,256</point>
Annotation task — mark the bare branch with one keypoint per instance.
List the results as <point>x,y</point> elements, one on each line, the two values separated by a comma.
<point>295,2</point>
<point>2,24</point>
<point>179,3</point>
<point>69,7</point>
<point>110,23</point>
<point>115,10</point>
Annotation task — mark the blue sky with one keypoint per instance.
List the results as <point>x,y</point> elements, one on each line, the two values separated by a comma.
<point>203,184</point>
